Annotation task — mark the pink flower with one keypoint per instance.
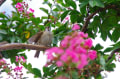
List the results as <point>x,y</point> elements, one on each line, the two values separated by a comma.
<point>20,9</point>
<point>16,58</point>
<point>2,61</point>
<point>64,57</point>
<point>79,40</point>
<point>55,50</point>
<point>50,56</point>
<point>31,10</point>
<point>82,34</point>
<point>59,63</point>
<point>88,42</point>
<point>80,50</point>
<point>92,54</point>
<point>76,27</point>
<point>72,54</point>
<point>28,12</point>
<point>64,43</point>
<point>23,59</point>
<point>20,59</point>
<point>67,18</point>
<point>18,69</point>
<point>18,5</point>
<point>83,61</point>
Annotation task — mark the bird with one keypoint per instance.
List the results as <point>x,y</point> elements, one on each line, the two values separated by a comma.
<point>43,38</point>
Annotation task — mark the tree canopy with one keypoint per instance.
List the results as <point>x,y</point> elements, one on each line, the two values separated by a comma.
<point>73,23</point>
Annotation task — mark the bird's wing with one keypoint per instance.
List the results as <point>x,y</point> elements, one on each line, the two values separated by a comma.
<point>35,38</point>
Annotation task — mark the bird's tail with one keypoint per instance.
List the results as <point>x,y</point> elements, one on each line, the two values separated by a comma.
<point>37,54</point>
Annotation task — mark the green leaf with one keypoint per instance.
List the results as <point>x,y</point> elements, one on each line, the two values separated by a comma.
<point>29,67</point>
<point>36,72</point>
<point>44,10</point>
<point>55,13</point>
<point>46,71</point>
<point>116,45</point>
<point>102,62</point>
<point>108,49</point>
<point>84,3</point>
<point>110,67</point>
<point>104,34</point>
<point>73,18</point>
<point>94,3</point>
<point>74,75</point>
<point>116,34</point>
<point>64,15</point>
<point>98,47</point>
<point>3,31</point>
<point>74,12</point>
<point>99,3</point>
<point>99,76</point>
<point>71,3</point>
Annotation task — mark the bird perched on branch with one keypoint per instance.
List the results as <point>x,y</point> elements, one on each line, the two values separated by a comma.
<point>41,38</point>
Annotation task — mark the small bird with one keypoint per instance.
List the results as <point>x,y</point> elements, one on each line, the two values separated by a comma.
<point>41,38</point>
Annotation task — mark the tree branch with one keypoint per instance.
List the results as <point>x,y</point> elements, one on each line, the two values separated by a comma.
<point>85,25</point>
<point>2,1</point>
<point>110,57</point>
<point>22,46</point>
<point>112,53</point>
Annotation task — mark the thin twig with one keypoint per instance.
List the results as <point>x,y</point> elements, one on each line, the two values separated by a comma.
<point>112,53</point>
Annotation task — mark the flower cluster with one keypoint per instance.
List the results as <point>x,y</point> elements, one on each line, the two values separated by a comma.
<point>24,10</point>
<point>75,50</point>
<point>20,59</point>
<point>18,69</point>
<point>9,69</point>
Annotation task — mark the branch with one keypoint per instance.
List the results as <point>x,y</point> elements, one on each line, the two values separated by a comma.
<point>85,25</point>
<point>2,1</point>
<point>22,46</point>
<point>112,53</point>
<point>110,57</point>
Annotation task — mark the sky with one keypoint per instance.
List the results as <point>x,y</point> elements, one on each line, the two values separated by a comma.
<point>36,4</point>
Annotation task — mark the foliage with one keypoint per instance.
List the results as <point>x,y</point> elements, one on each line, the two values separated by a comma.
<point>94,17</point>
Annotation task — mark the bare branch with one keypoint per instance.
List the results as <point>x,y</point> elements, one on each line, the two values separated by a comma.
<point>22,46</point>
<point>2,1</point>
<point>85,25</point>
